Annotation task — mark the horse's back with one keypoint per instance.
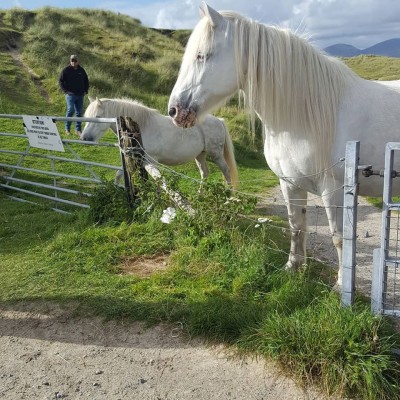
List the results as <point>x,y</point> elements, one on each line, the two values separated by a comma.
<point>394,85</point>
<point>370,113</point>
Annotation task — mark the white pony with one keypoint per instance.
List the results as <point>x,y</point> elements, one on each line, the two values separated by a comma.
<point>310,105</point>
<point>163,141</point>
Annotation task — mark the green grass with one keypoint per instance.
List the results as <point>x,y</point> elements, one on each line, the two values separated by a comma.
<point>224,281</point>
<point>224,278</point>
<point>375,67</point>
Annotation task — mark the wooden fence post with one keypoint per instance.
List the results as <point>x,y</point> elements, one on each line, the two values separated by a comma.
<point>134,158</point>
<point>131,153</point>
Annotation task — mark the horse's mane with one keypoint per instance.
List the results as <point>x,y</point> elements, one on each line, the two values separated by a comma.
<point>291,85</point>
<point>123,107</point>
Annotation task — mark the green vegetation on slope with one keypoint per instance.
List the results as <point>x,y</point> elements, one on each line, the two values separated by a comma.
<point>375,67</point>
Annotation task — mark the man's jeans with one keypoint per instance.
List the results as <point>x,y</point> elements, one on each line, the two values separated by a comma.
<point>74,105</point>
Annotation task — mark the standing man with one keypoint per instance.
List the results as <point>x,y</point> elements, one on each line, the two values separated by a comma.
<point>74,82</point>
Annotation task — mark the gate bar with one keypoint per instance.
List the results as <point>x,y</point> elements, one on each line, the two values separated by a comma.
<point>65,159</point>
<point>44,196</point>
<point>43,185</point>
<point>39,171</point>
<point>381,255</point>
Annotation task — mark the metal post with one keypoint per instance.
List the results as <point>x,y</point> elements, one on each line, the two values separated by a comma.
<point>350,222</point>
<point>377,282</point>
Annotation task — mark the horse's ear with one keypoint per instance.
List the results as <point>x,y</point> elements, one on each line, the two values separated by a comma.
<point>91,99</point>
<point>215,17</point>
<point>99,101</point>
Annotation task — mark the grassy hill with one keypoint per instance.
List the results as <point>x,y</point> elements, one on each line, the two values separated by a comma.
<point>122,57</point>
<point>223,275</point>
<point>375,67</point>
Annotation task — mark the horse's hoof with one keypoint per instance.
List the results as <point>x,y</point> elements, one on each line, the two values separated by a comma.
<point>337,287</point>
<point>289,266</point>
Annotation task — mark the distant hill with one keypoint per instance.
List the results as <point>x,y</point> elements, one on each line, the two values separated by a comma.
<point>387,48</point>
<point>343,50</point>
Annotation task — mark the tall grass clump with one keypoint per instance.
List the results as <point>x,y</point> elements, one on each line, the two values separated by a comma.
<point>345,351</point>
<point>20,19</point>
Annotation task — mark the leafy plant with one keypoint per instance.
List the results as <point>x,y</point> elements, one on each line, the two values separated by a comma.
<point>216,207</point>
<point>110,203</point>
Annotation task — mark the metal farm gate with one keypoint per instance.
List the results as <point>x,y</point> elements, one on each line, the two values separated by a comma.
<point>49,178</point>
<point>386,274</point>
<point>385,292</point>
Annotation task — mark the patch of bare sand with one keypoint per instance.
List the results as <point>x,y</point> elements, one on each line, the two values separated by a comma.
<point>49,354</point>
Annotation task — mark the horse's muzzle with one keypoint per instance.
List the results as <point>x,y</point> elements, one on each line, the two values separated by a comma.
<point>185,118</point>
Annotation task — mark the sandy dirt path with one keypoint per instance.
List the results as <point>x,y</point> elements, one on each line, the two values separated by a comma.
<point>49,355</point>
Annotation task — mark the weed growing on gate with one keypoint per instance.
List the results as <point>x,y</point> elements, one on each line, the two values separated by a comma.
<point>109,203</point>
<point>216,208</point>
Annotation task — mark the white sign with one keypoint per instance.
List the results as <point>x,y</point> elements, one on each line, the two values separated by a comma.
<point>42,132</point>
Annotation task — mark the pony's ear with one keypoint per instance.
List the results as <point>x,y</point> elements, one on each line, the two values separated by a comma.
<point>91,99</point>
<point>99,101</point>
<point>214,16</point>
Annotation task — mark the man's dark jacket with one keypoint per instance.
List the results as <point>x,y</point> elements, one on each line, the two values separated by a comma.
<point>74,81</point>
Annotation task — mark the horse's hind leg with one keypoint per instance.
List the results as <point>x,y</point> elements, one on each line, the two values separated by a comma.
<point>296,203</point>
<point>202,166</point>
<point>223,166</point>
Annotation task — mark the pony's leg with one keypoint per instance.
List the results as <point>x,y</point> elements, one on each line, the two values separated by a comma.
<point>223,166</point>
<point>334,211</point>
<point>296,203</point>
<point>118,177</point>
<point>202,166</point>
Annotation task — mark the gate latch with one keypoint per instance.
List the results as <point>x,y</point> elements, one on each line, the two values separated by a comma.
<point>367,171</point>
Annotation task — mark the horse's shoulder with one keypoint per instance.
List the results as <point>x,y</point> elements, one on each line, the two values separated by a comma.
<point>214,121</point>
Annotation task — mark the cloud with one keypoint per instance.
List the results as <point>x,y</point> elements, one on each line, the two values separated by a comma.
<point>361,23</point>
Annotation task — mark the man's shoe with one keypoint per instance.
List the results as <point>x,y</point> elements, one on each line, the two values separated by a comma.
<point>79,133</point>
<point>67,132</point>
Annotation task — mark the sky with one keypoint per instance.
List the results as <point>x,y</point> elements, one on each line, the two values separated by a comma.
<point>361,23</point>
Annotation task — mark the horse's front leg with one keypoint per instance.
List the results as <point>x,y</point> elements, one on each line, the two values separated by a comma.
<point>118,176</point>
<point>334,211</point>
<point>202,166</point>
<point>296,203</point>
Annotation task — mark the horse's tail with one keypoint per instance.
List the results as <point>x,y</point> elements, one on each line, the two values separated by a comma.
<point>229,156</point>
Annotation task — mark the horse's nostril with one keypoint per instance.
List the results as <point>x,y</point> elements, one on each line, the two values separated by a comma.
<point>172,112</point>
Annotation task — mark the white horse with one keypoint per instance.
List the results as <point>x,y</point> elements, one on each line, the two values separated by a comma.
<point>310,105</point>
<point>163,141</point>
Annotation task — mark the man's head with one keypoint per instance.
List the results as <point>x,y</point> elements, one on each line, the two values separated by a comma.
<point>73,60</point>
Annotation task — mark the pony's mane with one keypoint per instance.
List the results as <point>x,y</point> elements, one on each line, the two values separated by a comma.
<point>123,107</point>
<point>292,86</point>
